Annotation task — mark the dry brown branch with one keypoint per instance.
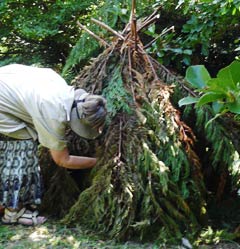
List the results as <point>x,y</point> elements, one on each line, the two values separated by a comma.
<point>103,42</point>
<point>134,23</point>
<point>105,26</point>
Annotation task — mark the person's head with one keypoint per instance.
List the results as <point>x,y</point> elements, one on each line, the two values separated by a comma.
<point>88,114</point>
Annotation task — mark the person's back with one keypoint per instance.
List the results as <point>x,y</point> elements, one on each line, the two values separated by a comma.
<point>32,96</point>
<point>26,86</point>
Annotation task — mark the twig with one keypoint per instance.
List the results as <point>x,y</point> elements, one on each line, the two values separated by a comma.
<point>105,26</point>
<point>152,15</point>
<point>151,42</point>
<point>93,35</point>
<point>150,21</point>
<point>180,81</point>
<point>126,28</point>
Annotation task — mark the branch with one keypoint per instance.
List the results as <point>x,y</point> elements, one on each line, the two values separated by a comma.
<point>105,26</point>
<point>164,32</point>
<point>126,28</point>
<point>177,79</point>
<point>93,35</point>
<point>152,15</point>
<point>134,23</point>
<point>150,21</point>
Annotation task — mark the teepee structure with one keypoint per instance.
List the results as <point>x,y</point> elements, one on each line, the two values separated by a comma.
<point>148,180</point>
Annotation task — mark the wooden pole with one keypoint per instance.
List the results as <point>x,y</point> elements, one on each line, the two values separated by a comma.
<point>105,26</point>
<point>93,35</point>
<point>134,23</point>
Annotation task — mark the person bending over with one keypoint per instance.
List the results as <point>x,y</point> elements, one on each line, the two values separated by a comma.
<point>36,106</point>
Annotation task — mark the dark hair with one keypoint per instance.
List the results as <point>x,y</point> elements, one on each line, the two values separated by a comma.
<point>94,110</point>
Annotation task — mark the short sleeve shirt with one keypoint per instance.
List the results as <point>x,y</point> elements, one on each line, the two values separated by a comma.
<point>35,103</point>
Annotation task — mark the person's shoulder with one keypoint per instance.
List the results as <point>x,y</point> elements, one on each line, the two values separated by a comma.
<point>23,67</point>
<point>17,68</point>
<point>11,67</point>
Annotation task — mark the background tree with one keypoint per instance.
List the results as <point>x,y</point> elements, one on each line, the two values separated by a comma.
<point>41,32</point>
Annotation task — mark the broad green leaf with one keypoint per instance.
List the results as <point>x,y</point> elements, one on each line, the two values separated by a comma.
<point>187,101</point>
<point>217,85</point>
<point>197,76</point>
<point>234,107</point>
<point>209,97</point>
<point>230,75</point>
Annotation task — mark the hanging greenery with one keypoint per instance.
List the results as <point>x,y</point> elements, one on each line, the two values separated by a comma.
<point>148,181</point>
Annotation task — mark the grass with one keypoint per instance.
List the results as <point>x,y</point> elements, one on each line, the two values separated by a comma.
<point>53,235</point>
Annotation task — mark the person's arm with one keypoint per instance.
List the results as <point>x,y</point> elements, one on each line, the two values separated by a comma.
<point>63,159</point>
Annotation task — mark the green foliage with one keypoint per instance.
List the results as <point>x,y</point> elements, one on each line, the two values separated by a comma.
<point>135,193</point>
<point>168,147</point>
<point>38,31</point>
<point>211,236</point>
<point>146,184</point>
<point>204,31</point>
<point>6,234</point>
<point>115,14</point>
<point>118,100</point>
<point>187,101</point>
<point>147,180</point>
<point>223,94</point>
<point>223,91</point>
<point>197,76</point>
<point>86,46</point>
<point>46,32</point>
<point>219,153</point>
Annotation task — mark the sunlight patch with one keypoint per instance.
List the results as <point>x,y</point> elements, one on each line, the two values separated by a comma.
<point>39,234</point>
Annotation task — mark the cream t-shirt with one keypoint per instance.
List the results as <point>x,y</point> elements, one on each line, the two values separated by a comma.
<point>34,103</point>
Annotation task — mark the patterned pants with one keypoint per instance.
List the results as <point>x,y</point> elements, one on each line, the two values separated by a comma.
<point>20,181</point>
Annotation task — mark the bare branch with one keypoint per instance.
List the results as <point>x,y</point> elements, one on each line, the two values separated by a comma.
<point>149,22</point>
<point>164,32</point>
<point>152,15</point>
<point>134,23</point>
<point>93,35</point>
<point>105,26</point>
